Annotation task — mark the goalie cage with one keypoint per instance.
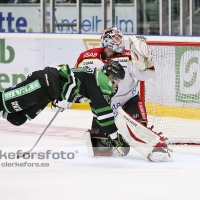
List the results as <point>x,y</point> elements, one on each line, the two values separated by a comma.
<point>172,97</point>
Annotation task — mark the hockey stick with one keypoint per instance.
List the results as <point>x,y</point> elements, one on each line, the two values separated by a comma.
<point>19,155</point>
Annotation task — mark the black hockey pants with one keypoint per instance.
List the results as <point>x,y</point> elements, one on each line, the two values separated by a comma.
<point>31,96</point>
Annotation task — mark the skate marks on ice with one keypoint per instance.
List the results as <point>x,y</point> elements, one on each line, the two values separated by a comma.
<point>30,128</point>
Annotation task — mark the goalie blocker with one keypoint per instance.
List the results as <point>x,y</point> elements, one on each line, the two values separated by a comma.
<point>144,140</point>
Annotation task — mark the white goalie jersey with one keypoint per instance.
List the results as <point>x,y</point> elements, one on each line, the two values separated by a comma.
<point>128,87</point>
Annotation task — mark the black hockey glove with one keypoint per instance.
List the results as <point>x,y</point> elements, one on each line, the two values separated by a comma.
<point>119,144</point>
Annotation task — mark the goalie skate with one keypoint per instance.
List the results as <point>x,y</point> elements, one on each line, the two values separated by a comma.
<point>160,157</point>
<point>144,140</point>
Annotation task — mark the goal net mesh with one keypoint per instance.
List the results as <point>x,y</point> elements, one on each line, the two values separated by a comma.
<point>172,97</point>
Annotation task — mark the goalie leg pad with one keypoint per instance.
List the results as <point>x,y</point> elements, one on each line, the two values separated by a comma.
<point>142,139</point>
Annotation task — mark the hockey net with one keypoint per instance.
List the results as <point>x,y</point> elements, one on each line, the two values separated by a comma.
<point>172,97</point>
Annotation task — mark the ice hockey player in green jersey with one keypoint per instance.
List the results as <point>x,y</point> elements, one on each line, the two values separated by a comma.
<point>27,99</point>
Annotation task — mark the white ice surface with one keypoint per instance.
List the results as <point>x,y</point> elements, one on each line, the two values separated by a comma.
<point>86,178</point>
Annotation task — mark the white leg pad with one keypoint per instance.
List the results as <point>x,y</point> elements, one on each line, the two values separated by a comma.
<point>137,135</point>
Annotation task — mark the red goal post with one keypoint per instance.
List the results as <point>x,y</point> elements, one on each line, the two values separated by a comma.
<point>172,97</point>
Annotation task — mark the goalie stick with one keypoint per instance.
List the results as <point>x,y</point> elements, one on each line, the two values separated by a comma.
<point>19,155</point>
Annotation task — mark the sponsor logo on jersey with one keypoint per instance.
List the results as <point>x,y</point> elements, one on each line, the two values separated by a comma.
<point>16,106</point>
<point>76,97</point>
<point>127,53</point>
<point>86,55</point>
<point>46,78</point>
<point>107,98</point>
<point>22,90</point>
<point>115,106</point>
<point>136,115</point>
<point>88,63</point>
<point>122,60</point>
<point>134,90</point>
<point>142,110</point>
<point>89,70</point>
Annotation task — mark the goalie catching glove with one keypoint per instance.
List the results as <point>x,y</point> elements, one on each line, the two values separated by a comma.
<point>119,144</point>
<point>141,53</point>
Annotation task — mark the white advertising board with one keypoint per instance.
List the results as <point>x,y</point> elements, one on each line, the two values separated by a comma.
<point>177,68</point>
<point>20,54</point>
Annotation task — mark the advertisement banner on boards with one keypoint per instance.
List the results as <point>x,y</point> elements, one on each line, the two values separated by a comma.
<point>21,56</point>
<point>177,71</point>
<point>23,19</point>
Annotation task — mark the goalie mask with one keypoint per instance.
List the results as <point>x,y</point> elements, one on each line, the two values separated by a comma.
<point>114,70</point>
<point>113,39</point>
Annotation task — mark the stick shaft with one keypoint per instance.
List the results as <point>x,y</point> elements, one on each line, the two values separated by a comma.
<point>59,110</point>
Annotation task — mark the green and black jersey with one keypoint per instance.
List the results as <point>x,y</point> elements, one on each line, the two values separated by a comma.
<point>86,84</point>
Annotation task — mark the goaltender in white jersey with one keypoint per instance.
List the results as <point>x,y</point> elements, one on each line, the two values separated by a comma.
<point>138,65</point>
<point>128,88</point>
